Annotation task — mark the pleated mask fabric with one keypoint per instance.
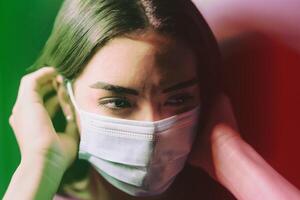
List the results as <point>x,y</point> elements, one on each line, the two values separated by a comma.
<point>141,158</point>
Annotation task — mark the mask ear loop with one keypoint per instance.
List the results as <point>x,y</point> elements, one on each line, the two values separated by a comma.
<point>68,83</point>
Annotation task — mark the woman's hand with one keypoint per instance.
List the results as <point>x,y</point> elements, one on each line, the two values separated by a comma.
<point>32,123</point>
<point>222,153</point>
<point>219,129</point>
<point>41,147</point>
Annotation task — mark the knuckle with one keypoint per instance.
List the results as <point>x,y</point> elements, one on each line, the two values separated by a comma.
<point>11,120</point>
<point>15,109</point>
<point>24,79</point>
<point>27,80</point>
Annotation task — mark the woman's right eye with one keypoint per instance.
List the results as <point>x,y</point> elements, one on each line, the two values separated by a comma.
<point>114,103</point>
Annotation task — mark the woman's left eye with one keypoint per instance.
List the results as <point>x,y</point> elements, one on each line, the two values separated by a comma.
<point>115,103</point>
<point>178,100</point>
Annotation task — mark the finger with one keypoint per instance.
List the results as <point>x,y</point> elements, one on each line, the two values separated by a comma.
<point>11,120</point>
<point>35,80</point>
<point>72,129</point>
<point>49,86</point>
<point>52,105</point>
<point>33,86</point>
<point>223,112</point>
<point>220,116</point>
<point>46,88</point>
<point>44,74</point>
<point>222,133</point>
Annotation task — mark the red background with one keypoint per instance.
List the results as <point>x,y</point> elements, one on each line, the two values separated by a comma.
<point>261,76</point>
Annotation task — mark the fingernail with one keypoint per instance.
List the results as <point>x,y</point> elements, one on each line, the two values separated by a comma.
<point>69,118</point>
<point>59,78</point>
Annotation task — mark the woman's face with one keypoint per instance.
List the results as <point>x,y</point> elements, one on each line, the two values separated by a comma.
<point>147,78</point>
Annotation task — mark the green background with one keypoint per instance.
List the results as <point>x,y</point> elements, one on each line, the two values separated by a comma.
<point>24,28</point>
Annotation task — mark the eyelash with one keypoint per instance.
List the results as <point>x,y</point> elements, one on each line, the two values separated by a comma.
<point>183,98</point>
<point>114,100</point>
<point>179,101</point>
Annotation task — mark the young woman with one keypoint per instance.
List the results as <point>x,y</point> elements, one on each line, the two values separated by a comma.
<point>137,81</point>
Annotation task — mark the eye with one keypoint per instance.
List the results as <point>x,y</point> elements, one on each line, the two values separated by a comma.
<point>114,103</point>
<point>179,100</point>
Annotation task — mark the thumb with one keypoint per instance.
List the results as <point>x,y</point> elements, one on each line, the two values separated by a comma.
<point>71,129</point>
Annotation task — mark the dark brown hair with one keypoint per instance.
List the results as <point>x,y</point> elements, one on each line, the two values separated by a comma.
<point>84,26</point>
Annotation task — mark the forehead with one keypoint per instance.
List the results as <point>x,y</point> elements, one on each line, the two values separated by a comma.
<point>159,60</point>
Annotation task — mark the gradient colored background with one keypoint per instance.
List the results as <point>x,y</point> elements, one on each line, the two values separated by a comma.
<point>261,75</point>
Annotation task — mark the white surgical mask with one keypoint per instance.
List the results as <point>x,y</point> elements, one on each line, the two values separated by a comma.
<point>141,158</point>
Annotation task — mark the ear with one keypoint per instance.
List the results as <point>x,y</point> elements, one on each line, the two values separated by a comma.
<point>64,99</point>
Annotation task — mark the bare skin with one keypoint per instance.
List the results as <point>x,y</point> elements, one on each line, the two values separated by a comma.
<point>148,65</point>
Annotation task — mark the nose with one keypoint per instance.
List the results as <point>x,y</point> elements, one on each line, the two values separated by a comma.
<point>149,113</point>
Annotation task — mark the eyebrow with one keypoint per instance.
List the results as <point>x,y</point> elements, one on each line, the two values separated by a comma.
<point>114,88</point>
<point>123,90</point>
<point>181,85</point>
